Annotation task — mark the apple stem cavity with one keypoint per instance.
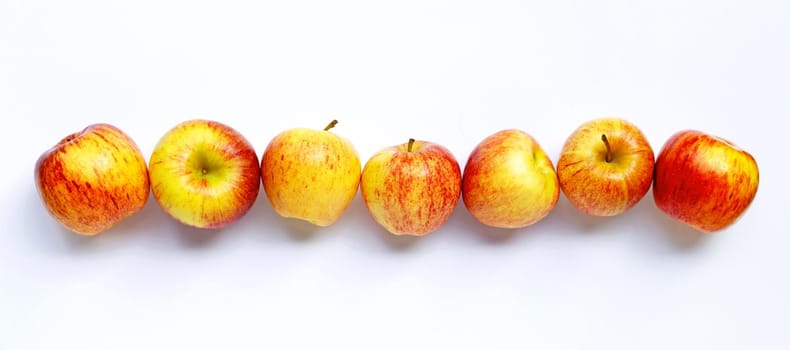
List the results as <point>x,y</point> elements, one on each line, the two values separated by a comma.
<point>608,157</point>
<point>411,144</point>
<point>69,138</point>
<point>331,125</point>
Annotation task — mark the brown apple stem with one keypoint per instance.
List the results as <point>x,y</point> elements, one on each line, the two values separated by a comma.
<point>608,148</point>
<point>411,143</point>
<point>331,125</point>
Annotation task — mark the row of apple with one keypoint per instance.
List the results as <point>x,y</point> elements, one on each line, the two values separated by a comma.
<point>206,174</point>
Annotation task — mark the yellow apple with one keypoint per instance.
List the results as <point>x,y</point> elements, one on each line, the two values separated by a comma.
<point>204,174</point>
<point>605,167</point>
<point>310,174</point>
<point>411,188</point>
<point>509,181</point>
<point>92,179</point>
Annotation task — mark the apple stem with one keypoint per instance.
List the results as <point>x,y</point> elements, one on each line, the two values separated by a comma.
<point>331,125</point>
<point>411,143</point>
<point>608,148</point>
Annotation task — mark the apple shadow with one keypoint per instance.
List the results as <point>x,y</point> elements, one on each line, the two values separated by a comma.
<point>146,221</point>
<point>566,213</point>
<point>193,237</point>
<point>398,243</point>
<point>296,229</point>
<point>358,217</point>
<point>500,236</point>
<point>644,214</point>
<point>62,239</point>
<point>676,234</point>
<point>260,220</point>
<point>463,221</point>
<point>300,230</point>
<point>154,222</point>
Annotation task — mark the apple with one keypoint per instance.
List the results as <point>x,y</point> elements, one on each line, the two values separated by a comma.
<point>309,174</point>
<point>204,174</point>
<point>411,188</point>
<point>509,181</point>
<point>93,179</point>
<point>605,167</point>
<point>704,181</point>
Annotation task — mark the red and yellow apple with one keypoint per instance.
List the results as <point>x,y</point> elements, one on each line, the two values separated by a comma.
<point>204,174</point>
<point>605,167</point>
<point>309,174</point>
<point>509,181</point>
<point>704,181</point>
<point>411,188</point>
<point>93,179</point>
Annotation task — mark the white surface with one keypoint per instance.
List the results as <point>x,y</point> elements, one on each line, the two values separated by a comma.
<point>447,71</point>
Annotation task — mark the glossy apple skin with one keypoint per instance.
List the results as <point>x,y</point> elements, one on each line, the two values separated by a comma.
<point>704,181</point>
<point>599,187</point>
<point>93,179</point>
<point>509,181</point>
<point>216,197</point>
<point>309,174</point>
<point>411,192</point>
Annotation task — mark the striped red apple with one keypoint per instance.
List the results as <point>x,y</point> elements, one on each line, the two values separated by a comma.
<point>704,181</point>
<point>509,181</point>
<point>411,188</point>
<point>605,167</point>
<point>93,179</point>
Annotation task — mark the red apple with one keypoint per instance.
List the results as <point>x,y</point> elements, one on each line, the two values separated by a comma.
<point>92,179</point>
<point>704,181</point>
<point>412,188</point>
<point>509,181</point>
<point>605,167</point>
<point>204,174</point>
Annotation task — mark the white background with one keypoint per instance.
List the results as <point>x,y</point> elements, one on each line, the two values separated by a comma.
<point>451,72</point>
